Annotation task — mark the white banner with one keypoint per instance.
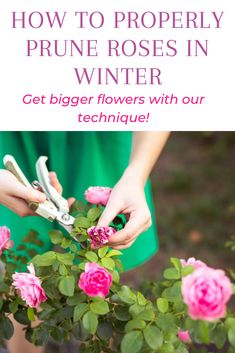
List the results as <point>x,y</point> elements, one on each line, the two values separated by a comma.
<point>88,65</point>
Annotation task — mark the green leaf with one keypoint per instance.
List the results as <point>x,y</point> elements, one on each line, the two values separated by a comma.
<point>176,263</point>
<point>132,342</point>
<point>94,213</point>
<point>230,323</point>
<point>166,322</point>
<point>122,313</point>
<point>46,259</point>
<point>66,259</point>
<point>187,270</point>
<point>7,328</point>
<point>147,315</point>
<point>1,303</point>
<point>82,222</point>
<point>67,285</point>
<point>162,305</point>
<point>167,348</point>
<point>66,243</point>
<point>115,276</point>
<point>76,299</point>
<point>63,270</point>
<point>135,325</point>
<point>135,309</point>
<point>56,236</point>
<point>30,313</point>
<point>173,293</point>
<point>141,299</point>
<point>231,337</point>
<point>220,336</point>
<point>99,307</point>
<point>153,337</point>
<point>201,331</point>
<point>79,311</point>
<point>105,330</point>
<point>90,322</point>
<point>13,306</point>
<point>91,256</point>
<point>103,251</point>
<point>108,263</point>
<point>171,273</point>
<point>113,252</point>
<point>126,295</point>
<point>22,317</point>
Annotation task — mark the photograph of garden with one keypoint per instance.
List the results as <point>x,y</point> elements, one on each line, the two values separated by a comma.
<point>91,298</point>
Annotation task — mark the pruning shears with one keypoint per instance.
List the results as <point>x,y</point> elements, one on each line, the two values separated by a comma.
<point>55,208</point>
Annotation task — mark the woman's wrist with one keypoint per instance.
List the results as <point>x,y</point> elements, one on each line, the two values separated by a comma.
<point>136,174</point>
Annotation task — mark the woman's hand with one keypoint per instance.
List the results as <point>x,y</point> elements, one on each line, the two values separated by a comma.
<point>128,198</point>
<point>15,195</point>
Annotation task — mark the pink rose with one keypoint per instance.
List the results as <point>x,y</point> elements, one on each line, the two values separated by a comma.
<point>184,336</point>
<point>5,242</point>
<point>95,281</point>
<point>29,287</point>
<point>98,195</point>
<point>206,292</point>
<point>100,235</point>
<point>193,262</point>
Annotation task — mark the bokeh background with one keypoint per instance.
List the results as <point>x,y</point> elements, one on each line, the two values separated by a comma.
<point>194,191</point>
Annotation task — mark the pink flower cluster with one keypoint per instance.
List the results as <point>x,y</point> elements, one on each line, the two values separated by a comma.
<point>206,291</point>
<point>193,262</point>
<point>5,242</point>
<point>184,336</point>
<point>100,235</point>
<point>98,195</point>
<point>29,287</point>
<point>95,281</point>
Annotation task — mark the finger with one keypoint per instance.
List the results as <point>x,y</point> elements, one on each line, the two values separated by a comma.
<point>136,224</point>
<point>27,193</point>
<point>71,201</point>
<point>110,212</point>
<point>18,206</point>
<point>121,247</point>
<point>55,182</point>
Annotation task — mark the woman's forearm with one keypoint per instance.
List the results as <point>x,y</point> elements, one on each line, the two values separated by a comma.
<point>146,149</point>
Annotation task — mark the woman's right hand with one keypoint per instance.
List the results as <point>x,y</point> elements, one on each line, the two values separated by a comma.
<point>15,195</point>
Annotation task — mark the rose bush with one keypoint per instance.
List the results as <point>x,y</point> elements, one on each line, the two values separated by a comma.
<point>76,293</point>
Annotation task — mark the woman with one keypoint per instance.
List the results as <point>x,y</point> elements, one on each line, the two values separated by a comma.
<point>84,159</point>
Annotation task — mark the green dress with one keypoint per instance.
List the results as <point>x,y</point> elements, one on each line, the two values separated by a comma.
<point>81,159</point>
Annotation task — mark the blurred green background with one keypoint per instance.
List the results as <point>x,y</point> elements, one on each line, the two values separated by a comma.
<point>194,191</point>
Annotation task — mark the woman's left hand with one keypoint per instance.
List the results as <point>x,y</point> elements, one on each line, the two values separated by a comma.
<point>127,197</point>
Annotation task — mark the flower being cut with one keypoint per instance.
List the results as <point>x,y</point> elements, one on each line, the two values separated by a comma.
<point>29,287</point>
<point>5,242</point>
<point>100,235</point>
<point>98,195</point>
<point>95,281</point>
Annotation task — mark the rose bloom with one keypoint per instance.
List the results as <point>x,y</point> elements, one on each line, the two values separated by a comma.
<point>29,287</point>
<point>184,336</point>
<point>100,235</point>
<point>193,262</point>
<point>98,195</point>
<point>5,242</point>
<point>95,281</point>
<point>206,292</point>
